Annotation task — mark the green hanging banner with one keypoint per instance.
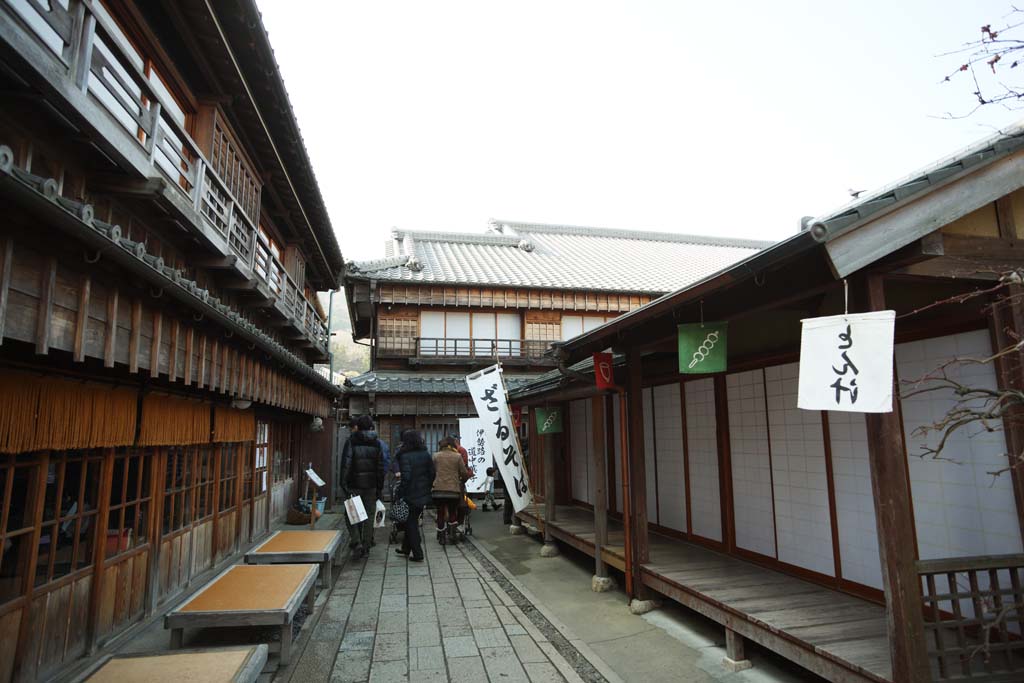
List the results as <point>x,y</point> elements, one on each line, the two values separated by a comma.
<point>549,420</point>
<point>702,347</point>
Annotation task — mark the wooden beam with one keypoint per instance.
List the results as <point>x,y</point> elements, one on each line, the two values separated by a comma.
<point>44,319</point>
<point>890,487</point>
<point>136,337</point>
<point>600,492</point>
<point>637,471</point>
<point>154,347</point>
<point>110,343</point>
<point>725,492</point>
<point>172,361</point>
<point>214,349</point>
<point>82,318</point>
<point>189,340</point>
<point>224,369</point>
<point>202,362</point>
<point>99,551</point>
<point>6,266</point>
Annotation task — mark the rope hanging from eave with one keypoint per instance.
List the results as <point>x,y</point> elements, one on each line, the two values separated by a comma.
<point>231,424</point>
<point>38,413</point>
<point>172,421</point>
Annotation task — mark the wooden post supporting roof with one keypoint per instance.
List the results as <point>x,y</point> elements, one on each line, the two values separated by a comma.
<point>890,488</point>
<point>637,471</point>
<point>600,492</point>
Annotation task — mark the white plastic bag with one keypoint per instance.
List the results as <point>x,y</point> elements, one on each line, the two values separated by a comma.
<point>378,518</point>
<point>355,510</point>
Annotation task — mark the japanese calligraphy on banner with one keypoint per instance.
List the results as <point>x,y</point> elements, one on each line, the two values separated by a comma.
<point>846,363</point>
<point>604,374</point>
<point>474,440</point>
<point>549,420</point>
<point>488,391</point>
<point>702,347</point>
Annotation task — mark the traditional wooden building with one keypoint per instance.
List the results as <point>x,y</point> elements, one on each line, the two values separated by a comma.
<point>831,538</point>
<point>162,243</point>
<point>440,304</point>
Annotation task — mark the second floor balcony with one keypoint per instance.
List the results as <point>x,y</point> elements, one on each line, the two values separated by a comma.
<point>469,352</point>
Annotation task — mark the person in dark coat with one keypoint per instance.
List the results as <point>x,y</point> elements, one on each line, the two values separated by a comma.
<point>417,468</point>
<point>362,474</point>
<point>450,475</point>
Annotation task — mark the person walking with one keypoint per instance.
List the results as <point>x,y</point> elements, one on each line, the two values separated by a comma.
<point>450,473</point>
<point>362,474</point>
<point>417,469</point>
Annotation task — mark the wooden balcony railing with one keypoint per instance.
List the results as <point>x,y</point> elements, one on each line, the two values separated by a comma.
<point>428,349</point>
<point>974,617</point>
<point>89,55</point>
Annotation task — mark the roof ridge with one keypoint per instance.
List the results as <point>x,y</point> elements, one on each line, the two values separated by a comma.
<point>378,264</point>
<point>625,233</point>
<point>459,237</point>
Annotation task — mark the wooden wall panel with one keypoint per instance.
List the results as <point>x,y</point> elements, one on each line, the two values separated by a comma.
<point>10,625</point>
<point>76,643</point>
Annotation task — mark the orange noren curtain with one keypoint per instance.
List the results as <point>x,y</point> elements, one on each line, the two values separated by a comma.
<point>38,413</point>
<point>172,421</point>
<point>231,424</point>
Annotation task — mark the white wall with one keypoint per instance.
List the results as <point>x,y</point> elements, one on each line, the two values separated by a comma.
<point>579,449</point>
<point>799,477</point>
<point>855,507</point>
<point>668,423</point>
<point>959,508</point>
<point>751,471</point>
<point>702,446</point>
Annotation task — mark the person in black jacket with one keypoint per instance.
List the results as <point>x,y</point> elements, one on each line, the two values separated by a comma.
<point>362,474</point>
<point>417,468</point>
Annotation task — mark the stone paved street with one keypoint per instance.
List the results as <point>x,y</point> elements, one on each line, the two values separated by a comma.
<point>451,618</point>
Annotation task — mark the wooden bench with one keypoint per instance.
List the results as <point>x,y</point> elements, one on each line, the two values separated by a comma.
<point>246,596</point>
<point>299,547</point>
<point>219,665</point>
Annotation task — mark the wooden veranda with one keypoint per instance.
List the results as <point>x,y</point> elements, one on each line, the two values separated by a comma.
<point>835,635</point>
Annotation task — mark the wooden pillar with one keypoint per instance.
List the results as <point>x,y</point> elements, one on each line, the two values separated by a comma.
<point>600,493</point>
<point>890,488</point>
<point>550,448</point>
<point>637,470</point>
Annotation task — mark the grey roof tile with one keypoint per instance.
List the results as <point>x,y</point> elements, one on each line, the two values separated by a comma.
<point>555,257</point>
<point>397,382</point>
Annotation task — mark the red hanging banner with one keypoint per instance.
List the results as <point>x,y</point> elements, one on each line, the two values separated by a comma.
<point>604,374</point>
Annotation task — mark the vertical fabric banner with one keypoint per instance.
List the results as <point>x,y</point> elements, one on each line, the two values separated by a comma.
<point>488,391</point>
<point>549,420</point>
<point>474,440</point>
<point>703,347</point>
<point>846,362</point>
<point>604,373</point>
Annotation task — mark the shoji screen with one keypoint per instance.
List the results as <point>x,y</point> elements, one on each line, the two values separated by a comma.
<point>799,477</point>
<point>579,449</point>
<point>432,329</point>
<point>959,508</point>
<point>702,445</point>
<point>751,464</point>
<point>651,474</point>
<point>457,333</point>
<point>510,327</point>
<point>668,428</point>
<point>483,333</point>
<point>855,508</point>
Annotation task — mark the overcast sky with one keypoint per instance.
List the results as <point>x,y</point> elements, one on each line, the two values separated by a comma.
<point>709,118</point>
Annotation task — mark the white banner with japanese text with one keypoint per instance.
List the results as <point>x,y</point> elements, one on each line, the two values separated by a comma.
<point>488,391</point>
<point>846,362</point>
<point>474,440</point>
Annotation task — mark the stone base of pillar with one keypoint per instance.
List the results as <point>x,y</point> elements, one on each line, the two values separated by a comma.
<point>734,666</point>
<point>602,584</point>
<point>516,529</point>
<point>549,550</point>
<point>643,606</point>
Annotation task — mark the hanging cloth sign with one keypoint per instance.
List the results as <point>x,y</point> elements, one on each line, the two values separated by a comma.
<point>604,373</point>
<point>549,420</point>
<point>846,362</point>
<point>702,347</point>
<point>474,439</point>
<point>487,387</point>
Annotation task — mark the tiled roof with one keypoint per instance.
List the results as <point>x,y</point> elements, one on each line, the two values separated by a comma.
<point>555,257</point>
<point>385,382</point>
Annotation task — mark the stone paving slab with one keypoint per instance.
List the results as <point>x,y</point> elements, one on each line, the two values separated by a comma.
<point>447,619</point>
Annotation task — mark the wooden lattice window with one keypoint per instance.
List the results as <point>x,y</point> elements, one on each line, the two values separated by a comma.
<point>130,498</point>
<point>18,479</point>
<point>397,335</point>
<point>282,447</point>
<point>68,526</point>
<point>235,170</point>
<point>178,488</point>
<point>544,331</point>
<point>228,475</point>
<point>262,453</point>
<point>204,483</point>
